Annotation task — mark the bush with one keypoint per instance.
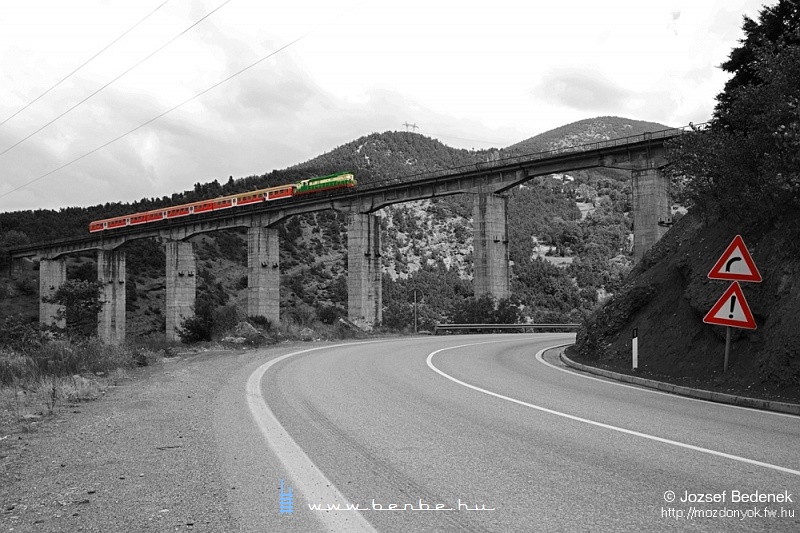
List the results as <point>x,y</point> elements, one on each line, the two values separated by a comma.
<point>15,367</point>
<point>26,286</point>
<point>330,314</point>
<point>225,319</point>
<point>21,333</point>
<point>302,314</point>
<point>199,327</point>
<point>195,329</point>
<point>260,321</point>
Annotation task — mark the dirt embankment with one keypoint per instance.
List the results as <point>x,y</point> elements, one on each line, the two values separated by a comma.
<point>668,294</point>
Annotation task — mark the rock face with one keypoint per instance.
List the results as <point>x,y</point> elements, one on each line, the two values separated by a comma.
<point>668,294</point>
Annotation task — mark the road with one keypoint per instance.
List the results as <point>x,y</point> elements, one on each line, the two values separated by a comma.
<point>506,441</point>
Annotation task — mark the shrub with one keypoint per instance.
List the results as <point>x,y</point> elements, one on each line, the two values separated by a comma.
<point>226,319</point>
<point>26,286</point>
<point>302,314</point>
<point>330,314</point>
<point>195,329</point>
<point>199,327</point>
<point>260,321</point>
<point>21,333</point>
<point>15,367</point>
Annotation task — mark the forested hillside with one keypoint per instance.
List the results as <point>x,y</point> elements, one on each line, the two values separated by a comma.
<point>565,260</point>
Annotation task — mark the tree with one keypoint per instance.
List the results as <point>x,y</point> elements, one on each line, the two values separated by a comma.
<point>747,165</point>
<point>80,301</point>
<point>777,26</point>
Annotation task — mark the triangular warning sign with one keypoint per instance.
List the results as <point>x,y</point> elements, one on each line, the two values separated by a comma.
<point>736,264</point>
<point>731,310</point>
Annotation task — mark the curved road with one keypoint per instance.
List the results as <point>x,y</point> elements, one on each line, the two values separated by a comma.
<point>500,440</point>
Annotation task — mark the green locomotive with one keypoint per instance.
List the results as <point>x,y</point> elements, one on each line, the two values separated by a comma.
<point>323,183</point>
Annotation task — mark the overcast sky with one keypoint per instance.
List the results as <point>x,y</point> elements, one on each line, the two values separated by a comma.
<point>471,74</point>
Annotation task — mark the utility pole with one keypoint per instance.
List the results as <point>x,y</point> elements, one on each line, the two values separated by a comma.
<point>412,126</point>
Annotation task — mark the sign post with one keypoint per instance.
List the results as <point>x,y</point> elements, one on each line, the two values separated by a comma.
<point>727,348</point>
<point>731,310</point>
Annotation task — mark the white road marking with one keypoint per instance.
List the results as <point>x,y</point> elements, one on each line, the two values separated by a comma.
<point>304,474</point>
<point>600,424</point>
<point>610,381</point>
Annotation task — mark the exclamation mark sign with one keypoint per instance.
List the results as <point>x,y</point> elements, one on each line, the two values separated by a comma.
<point>733,305</point>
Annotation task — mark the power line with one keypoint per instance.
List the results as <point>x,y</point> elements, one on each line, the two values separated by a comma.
<point>115,79</point>
<point>62,80</point>
<point>170,110</point>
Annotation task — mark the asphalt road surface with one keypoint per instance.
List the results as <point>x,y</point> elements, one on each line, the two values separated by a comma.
<point>497,439</point>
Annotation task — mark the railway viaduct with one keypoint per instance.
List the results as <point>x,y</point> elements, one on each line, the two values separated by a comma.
<point>643,155</point>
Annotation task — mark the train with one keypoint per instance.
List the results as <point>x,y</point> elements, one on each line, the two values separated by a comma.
<point>270,194</point>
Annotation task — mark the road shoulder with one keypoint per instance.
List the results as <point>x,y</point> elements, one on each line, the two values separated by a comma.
<point>701,394</point>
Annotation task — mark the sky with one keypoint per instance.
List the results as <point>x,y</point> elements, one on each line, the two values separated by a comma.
<point>172,102</point>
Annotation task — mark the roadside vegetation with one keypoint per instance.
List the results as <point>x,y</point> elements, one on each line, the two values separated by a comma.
<point>43,369</point>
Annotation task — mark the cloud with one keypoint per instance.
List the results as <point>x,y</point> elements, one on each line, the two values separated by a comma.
<point>583,90</point>
<point>590,93</point>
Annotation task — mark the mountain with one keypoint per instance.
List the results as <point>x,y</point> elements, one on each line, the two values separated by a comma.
<point>584,132</point>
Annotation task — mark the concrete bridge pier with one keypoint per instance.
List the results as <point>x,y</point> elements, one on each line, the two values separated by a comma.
<point>490,246</point>
<point>364,291</point>
<point>263,273</point>
<point>652,215</point>
<point>52,274</point>
<point>111,319</point>
<point>14,267</point>
<point>181,286</point>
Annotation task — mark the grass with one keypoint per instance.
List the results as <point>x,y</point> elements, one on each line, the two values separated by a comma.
<point>24,403</point>
<point>38,381</point>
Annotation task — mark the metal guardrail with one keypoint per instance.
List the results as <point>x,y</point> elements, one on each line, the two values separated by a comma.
<point>522,328</point>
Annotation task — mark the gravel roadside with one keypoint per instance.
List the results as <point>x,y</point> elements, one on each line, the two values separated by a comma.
<point>144,458</point>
